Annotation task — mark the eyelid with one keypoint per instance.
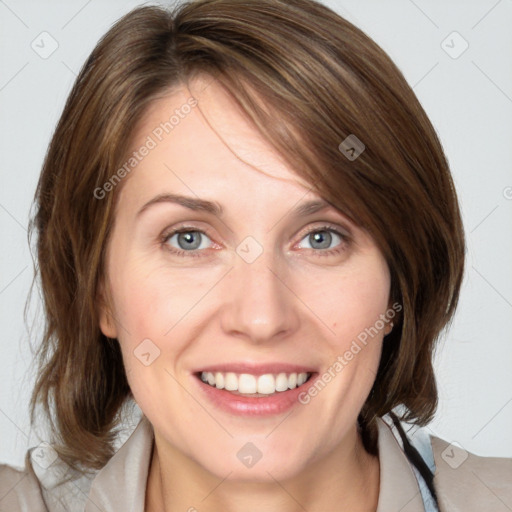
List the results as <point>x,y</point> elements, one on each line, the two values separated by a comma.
<point>343,232</point>
<point>303,232</point>
<point>185,227</point>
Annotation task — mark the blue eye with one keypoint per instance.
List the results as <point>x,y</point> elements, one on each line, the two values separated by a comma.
<point>188,241</point>
<point>321,239</point>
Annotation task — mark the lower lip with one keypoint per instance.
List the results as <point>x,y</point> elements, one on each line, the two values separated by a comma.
<point>278,403</point>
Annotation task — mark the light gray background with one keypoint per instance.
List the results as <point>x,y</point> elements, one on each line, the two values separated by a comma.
<point>468,98</point>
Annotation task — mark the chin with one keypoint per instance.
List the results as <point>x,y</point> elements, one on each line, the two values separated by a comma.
<point>245,462</point>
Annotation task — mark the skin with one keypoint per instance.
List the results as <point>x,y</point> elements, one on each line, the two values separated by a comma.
<point>295,303</point>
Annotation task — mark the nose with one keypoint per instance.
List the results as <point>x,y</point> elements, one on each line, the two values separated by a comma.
<point>259,303</point>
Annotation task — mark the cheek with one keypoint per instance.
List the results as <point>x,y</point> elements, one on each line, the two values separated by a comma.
<point>155,310</point>
<point>151,300</point>
<point>352,304</point>
<point>147,308</point>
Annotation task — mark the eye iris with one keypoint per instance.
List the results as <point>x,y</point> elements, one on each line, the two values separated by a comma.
<point>188,237</point>
<point>324,238</point>
<point>191,240</point>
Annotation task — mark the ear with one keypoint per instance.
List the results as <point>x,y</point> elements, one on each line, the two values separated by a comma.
<point>106,318</point>
<point>391,321</point>
<point>388,328</point>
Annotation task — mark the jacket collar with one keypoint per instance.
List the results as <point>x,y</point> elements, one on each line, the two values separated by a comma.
<point>121,483</point>
<point>399,489</point>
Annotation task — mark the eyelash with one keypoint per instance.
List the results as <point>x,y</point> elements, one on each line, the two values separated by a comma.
<point>197,252</point>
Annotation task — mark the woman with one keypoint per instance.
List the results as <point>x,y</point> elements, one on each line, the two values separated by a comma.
<point>201,156</point>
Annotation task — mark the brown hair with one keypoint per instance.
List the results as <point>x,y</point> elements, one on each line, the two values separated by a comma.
<point>307,79</point>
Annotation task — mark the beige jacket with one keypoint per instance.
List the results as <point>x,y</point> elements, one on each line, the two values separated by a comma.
<point>464,482</point>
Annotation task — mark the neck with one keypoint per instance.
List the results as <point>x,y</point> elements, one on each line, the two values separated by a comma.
<point>344,480</point>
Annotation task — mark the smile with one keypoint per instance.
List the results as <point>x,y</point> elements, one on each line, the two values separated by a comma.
<point>247,384</point>
<point>254,390</point>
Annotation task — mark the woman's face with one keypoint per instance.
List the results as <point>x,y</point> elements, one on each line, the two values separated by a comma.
<point>257,291</point>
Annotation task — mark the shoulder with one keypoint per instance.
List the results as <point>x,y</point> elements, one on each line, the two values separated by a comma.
<point>19,491</point>
<point>465,481</point>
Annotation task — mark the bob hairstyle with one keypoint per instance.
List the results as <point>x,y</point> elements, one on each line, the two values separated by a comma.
<point>307,79</point>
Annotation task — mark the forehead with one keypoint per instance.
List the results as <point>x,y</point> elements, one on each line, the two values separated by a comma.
<point>200,140</point>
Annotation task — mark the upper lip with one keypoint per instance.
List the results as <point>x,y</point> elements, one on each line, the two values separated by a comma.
<point>256,369</point>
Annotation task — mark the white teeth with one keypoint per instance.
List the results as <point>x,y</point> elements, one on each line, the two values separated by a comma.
<point>301,378</point>
<point>266,384</point>
<point>231,382</point>
<point>246,383</point>
<point>219,380</point>
<point>282,382</point>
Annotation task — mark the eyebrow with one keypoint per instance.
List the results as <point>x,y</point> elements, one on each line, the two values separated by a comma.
<point>196,204</point>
